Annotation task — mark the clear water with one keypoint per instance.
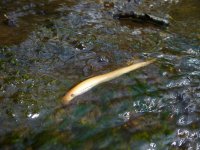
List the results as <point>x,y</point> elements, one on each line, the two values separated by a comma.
<point>53,45</point>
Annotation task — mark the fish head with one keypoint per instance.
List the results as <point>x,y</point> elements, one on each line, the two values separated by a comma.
<point>68,97</point>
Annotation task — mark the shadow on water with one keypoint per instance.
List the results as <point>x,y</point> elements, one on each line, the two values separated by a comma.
<point>57,44</point>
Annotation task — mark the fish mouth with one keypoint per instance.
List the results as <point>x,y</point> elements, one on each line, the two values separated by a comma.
<point>66,99</point>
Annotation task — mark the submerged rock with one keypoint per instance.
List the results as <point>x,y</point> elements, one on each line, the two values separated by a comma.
<point>142,17</point>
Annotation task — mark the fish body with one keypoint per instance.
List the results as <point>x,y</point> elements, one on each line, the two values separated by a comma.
<point>88,84</point>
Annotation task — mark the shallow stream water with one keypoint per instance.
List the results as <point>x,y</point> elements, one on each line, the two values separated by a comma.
<point>48,46</point>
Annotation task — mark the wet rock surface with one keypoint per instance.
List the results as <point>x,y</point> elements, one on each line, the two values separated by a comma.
<point>156,107</point>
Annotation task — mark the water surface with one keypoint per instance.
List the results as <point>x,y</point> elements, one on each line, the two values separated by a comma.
<point>53,45</point>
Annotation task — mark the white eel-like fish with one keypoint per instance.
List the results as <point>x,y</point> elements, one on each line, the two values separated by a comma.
<point>87,84</point>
